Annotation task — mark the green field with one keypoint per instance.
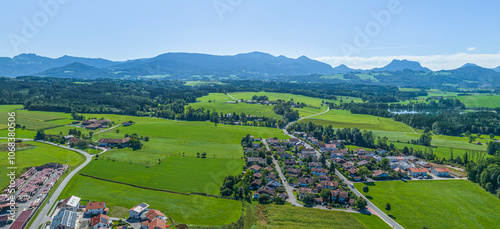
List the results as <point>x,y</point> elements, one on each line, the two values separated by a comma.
<point>179,174</point>
<point>344,119</point>
<point>436,204</point>
<point>480,100</point>
<point>33,120</point>
<point>169,138</point>
<point>35,154</point>
<point>274,216</point>
<point>191,209</point>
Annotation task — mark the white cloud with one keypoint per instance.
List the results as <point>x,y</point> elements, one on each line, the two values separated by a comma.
<point>471,49</point>
<point>434,62</point>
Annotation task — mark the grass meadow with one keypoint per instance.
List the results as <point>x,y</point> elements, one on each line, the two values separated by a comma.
<point>188,209</point>
<point>345,119</point>
<point>179,174</point>
<point>275,216</point>
<point>436,204</point>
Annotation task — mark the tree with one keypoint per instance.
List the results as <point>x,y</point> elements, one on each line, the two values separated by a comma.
<point>146,139</point>
<point>40,135</point>
<point>493,148</point>
<point>198,155</point>
<point>203,155</point>
<point>226,192</point>
<point>135,144</point>
<point>361,203</point>
<point>280,200</point>
<point>308,199</point>
<point>492,136</point>
<point>264,199</point>
<point>325,194</point>
<point>363,172</point>
<point>366,189</point>
<point>388,207</point>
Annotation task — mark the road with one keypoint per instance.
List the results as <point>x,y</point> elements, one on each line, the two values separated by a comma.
<point>102,131</point>
<point>370,206</point>
<point>289,190</point>
<point>42,216</point>
<point>231,96</point>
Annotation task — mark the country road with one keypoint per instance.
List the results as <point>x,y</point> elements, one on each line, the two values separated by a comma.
<point>42,216</point>
<point>370,206</point>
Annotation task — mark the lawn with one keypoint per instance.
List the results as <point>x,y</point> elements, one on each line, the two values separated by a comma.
<point>345,119</point>
<point>180,174</point>
<point>169,138</point>
<point>35,154</point>
<point>274,216</point>
<point>191,209</point>
<point>436,204</point>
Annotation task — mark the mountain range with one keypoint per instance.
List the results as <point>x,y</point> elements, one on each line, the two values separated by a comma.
<point>254,65</point>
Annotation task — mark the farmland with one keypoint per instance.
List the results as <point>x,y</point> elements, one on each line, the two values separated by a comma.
<point>34,120</point>
<point>169,138</point>
<point>480,100</point>
<point>189,209</point>
<point>180,174</point>
<point>35,154</point>
<point>273,216</point>
<point>344,119</point>
<point>436,204</point>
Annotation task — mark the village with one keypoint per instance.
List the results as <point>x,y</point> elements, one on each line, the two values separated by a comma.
<point>314,180</point>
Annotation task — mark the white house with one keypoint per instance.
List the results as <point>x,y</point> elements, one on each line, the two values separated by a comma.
<point>441,172</point>
<point>72,203</point>
<point>135,212</point>
<point>95,208</point>
<point>377,157</point>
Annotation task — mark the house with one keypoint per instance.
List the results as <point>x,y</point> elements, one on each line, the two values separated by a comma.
<point>377,158</point>
<point>273,142</point>
<point>402,172</point>
<point>294,140</point>
<point>363,162</point>
<point>256,160</point>
<point>255,144</point>
<point>305,181</point>
<point>403,165</point>
<point>290,162</point>
<point>65,219</point>
<point>154,214</point>
<point>157,224</point>
<point>341,196</point>
<point>315,165</point>
<point>255,168</point>
<point>285,155</point>
<point>272,176</point>
<point>329,184</point>
<point>264,191</point>
<point>303,192</point>
<point>327,147</point>
<point>424,164</point>
<point>380,174</point>
<point>319,171</point>
<point>135,212</point>
<point>441,172</point>
<point>273,184</point>
<point>100,221</point>
<point>255,184</point>
<point>416,172</point>
<point>268,168</point>
<point>318,200</point>
<point>381,151</point>
<point>257,175</point>
<point>400,158</point>
<point>72,203</point>
<point>293,171</point>
<point>353,171</point>
<point>95,208</point>
<point>105,142</point>
<point>74,140</point>
<point>94,124</point>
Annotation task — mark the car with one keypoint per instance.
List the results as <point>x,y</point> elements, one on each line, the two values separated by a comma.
<point>329,207</point>
<point>420,177</point>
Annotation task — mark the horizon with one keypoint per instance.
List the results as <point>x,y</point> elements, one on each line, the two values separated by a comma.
<point>442,35</point>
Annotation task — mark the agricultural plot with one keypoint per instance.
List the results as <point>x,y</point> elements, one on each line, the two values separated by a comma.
<point>480,100</point>
<point>34,120</point>
<point>179,174</point>
<point>274,216</point>
<point>188,209</point>
<point>436,204</point>
<point>34,154</point>
<point>345,119</point>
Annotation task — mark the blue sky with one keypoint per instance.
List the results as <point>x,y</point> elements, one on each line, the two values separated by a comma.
<point>440,34</point>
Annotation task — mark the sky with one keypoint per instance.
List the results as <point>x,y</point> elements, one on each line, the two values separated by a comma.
<point>441,34</point>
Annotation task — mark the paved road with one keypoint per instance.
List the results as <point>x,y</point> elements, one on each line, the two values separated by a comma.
<point>288,188</point>
<point>370,206</point>
<point>102,131</point>
<point>42,216</point>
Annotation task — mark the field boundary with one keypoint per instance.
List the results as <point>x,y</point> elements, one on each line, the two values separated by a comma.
<point>154,189</point>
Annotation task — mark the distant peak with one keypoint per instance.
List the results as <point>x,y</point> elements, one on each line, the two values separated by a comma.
<point>469,65</point>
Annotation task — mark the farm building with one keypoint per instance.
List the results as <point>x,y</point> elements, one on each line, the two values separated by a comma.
<point>105,142</point>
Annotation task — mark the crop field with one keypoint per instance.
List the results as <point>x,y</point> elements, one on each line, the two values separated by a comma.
<point>480,100</point>
<point>33,120</point>
<point>310,101</point>
<point>179,174</point>
<point>171,138</point>
<point>34,154</point>
<point>436,204</point>
<point>274,216</point>
<point>188,209</point>
<point>344,119</point>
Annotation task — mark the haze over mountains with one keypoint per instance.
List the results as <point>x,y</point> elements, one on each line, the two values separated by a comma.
<point>254,65</point>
